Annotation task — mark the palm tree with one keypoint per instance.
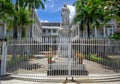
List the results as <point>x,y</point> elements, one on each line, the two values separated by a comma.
<point>6,12</point>
<point>6,6</point>
<point>117,15</point>
<point>15,26</point>
<point>90,13</point>
<point>32,5</point>
<point>24,20</point>
<point>21,15</point>
<point>21,20</point>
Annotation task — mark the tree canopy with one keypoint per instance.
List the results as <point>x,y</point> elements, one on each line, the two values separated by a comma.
<point>90,13</point>
<point>18,15</point>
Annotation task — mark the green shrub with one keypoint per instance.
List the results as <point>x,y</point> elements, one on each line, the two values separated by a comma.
<point>116,36</point>
<point>17,60</point>
<point>103,61</point>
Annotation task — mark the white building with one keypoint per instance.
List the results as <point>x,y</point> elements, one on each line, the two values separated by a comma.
<point>104,32</point>
<point>50,32</point>
<point>36,29</point>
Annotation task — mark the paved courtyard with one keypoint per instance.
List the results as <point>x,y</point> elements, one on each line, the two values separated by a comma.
<point>39,65</point>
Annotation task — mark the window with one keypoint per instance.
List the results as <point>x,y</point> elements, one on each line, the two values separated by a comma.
<point>54,30</point>
<point>44,31</point>
<point>49,31</point>
<point>110,31</point>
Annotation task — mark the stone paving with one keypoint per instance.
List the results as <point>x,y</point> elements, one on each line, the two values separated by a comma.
<point>92,67</point>
<point>39,65</point>
<point>95,68</point>
<point>15,81</point>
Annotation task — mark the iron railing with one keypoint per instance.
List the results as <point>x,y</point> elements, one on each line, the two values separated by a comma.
<point>66,57</point>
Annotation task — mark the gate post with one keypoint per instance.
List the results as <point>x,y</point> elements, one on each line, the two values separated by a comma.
<point>3,59</point>
<point>69,54</point>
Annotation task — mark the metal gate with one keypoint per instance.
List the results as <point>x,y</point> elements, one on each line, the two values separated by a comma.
<point>64,57</point>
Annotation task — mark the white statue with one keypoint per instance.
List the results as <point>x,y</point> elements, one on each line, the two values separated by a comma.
<point>65,15</point>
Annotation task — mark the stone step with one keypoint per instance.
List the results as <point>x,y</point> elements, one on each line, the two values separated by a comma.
<point>96,78</point>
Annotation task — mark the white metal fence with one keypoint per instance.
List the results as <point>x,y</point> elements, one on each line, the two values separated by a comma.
<point>63,58</point>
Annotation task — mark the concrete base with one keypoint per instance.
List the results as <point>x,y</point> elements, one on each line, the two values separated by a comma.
<point>65,72</point>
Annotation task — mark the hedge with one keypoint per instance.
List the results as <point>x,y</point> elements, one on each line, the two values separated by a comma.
<point>93,57</point>
<point>17,60</point>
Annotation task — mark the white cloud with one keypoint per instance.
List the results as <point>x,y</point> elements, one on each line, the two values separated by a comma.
<point>72,11</point>
<point>50,4</point>
<point>44,21</point>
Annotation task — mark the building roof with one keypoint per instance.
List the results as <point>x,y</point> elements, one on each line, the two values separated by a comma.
<point>50,24</point>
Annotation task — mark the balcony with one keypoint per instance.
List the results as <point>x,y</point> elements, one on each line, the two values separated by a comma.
<point>50,34</point>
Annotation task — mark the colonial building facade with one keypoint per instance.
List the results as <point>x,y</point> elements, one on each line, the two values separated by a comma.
<point>102,32</point>
<point>50,32</point>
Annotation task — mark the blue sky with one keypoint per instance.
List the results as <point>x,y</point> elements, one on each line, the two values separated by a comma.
<point>52,11</point>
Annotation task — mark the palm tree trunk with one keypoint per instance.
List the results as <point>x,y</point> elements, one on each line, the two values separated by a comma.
<point>14,54</point>
<point>15,24</point>
<point>15,32</point>
<point>31,28</point>
<point>88,37</point>
<point>88,30</point>
<point>23,33</point>
<point>4,35</point>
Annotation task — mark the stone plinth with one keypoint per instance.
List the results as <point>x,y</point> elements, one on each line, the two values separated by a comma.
<point>64,31</point>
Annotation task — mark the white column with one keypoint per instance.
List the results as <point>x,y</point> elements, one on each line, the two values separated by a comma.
<point>3,60</point>
<point>104,32</point>
<point>31,31</point>
<point>113,29</point>
<point>96,32</point>
<point>115,25</point>
<point>78,33</point>
<point>70,60</point>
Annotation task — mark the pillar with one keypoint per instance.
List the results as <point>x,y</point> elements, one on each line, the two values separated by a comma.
<point>3,59</point>
<point>104,32</point>
<point>96,32</point>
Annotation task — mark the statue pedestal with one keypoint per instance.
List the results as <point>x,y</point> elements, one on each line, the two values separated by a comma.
<point>64,42</point>
<point>64,31</point>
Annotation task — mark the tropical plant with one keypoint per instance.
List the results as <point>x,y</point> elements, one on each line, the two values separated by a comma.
<point>116,13</point>
<point>6,12</point>
<point>116,36</point>
<point>24,20</point>
<point>17,15</point>
<point>80,57</point>
<point>50,59</point>
<point>6,7</point>
<point>21,18</point>
<point>32,5</point>
<point>90,13</point>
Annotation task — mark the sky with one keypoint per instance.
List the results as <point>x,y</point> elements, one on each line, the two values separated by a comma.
<point>52,11</point>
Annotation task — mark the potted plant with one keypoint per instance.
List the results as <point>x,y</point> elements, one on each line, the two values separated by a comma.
<point>80,57</point>
<point>49,59</point>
